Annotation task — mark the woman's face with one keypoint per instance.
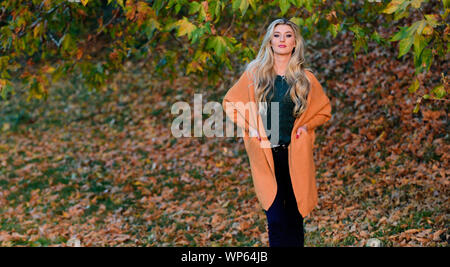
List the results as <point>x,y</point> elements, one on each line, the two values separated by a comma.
<point>283,40</point>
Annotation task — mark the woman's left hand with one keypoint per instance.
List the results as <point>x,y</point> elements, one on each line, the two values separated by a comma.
<point>300,129</point>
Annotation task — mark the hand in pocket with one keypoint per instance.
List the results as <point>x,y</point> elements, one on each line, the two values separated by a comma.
<point>300,130</point>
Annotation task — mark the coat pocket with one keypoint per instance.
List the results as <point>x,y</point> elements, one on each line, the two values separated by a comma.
<point>303,146</point>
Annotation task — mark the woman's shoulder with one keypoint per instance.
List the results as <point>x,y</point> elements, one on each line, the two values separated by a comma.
<point>310,73</point>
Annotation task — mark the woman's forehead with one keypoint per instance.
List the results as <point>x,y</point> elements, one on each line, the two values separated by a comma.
<point>282,28</point>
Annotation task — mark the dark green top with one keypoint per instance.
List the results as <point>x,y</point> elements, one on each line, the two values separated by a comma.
<point>285,118</point>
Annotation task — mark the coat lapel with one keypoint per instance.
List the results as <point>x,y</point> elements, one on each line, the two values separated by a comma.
<point>265,143</point>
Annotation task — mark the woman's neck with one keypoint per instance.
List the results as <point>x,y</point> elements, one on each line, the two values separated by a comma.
<point>280,63</point>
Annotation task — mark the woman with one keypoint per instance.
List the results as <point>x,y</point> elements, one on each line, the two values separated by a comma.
<point>276,87</point>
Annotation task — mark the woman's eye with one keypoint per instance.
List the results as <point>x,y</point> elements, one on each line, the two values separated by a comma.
<point>289,35</point>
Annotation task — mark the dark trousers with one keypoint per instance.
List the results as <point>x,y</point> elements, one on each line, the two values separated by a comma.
<point>285,222</point>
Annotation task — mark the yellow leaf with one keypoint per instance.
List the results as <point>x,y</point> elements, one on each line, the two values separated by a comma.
<point>414,86</point>
<point>416,3</point>
<point>4,148</point>
<point>84,2</point>
<point>185,27</point>
<point>428,30</point>
<point>36,30</point>
<point>6,127</point>
<point>79,53</point>
<point>392,6</point>
<point>48,69</point>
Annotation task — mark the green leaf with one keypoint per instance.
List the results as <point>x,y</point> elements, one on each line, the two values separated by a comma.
<point>171,4</point>
<point>5,89</point>
<point>58,73</point>
<point>416,3</point>
<point>414,27</point>
<point>67,42</point>
<point>218,43</point>
<point>194,7</point>
<point>235,5</point>
<point>197,33</point>
<point>439,91</point>
<point>357,30</point>
<point>120,2</point>
<point>284,6</point>
<point>401,14</point>
<point>408,36</point>
<point>178,8</point>
<point>427,58</point>
<point>416,108</point>
<point>242,5</point>
<point>402,34</point>
<point>298,21</point>
<point>219,7</point>
<point>375,36</point>
<point>432,19</point>
<point>446,3</point>
<point>185,27</point>
<point>298,3</point>
<point>334,29</point>
<point>420,25</point>
<point>253,4</point>
<point>414,86</point>
<point>361,38</point>
<point>392,6</point>
<point>419,43</point>
<point>157,5</point>
<point>404,46</point>
<point>202,15</point>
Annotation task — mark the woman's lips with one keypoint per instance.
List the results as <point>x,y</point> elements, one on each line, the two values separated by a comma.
<point>282,46</point>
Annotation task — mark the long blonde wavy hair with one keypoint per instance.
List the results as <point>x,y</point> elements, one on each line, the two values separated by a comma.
<point>263,72</point>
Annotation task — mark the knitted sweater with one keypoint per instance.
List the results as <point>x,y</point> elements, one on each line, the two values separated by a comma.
<point>280,95</point>
<point>240,106</point>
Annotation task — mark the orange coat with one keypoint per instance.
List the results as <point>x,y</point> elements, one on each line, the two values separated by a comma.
<point>301,162</point>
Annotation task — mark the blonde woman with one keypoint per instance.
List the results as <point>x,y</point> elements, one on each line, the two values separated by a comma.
<point>279,103</point>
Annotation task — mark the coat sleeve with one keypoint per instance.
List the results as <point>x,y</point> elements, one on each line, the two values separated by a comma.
<point>236,103</point>
<point>322,111</point>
